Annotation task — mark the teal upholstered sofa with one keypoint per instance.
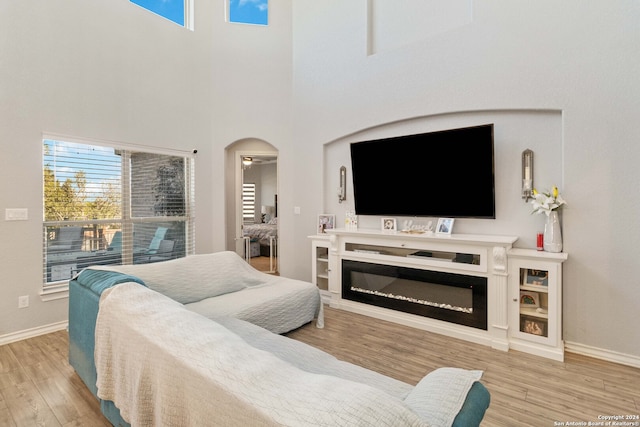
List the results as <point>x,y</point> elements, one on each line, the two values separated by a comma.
<point>84,304</point>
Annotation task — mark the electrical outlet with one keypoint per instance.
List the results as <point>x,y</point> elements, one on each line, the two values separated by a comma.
<point>23,301</point>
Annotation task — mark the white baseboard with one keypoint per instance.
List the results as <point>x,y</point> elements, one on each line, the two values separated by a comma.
<point>33,332</point>
<point>600,353</point>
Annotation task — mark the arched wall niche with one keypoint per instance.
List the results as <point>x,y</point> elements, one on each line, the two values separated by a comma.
<point>514,131</point>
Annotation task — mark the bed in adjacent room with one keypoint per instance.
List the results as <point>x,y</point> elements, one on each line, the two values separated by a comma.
<point>265,234</point>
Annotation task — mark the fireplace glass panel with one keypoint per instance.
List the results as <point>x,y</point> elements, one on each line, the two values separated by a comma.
<point>455,298</point>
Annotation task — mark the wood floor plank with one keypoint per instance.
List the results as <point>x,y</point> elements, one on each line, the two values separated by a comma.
<point>5,416</point>
<point>8,361</point>
<point>27,407</point>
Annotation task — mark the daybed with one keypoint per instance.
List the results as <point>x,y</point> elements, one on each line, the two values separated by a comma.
<point>163,364</point>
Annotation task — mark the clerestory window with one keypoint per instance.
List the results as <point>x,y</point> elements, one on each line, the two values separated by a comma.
<point>177,11</point>
<point>249,12</point>
<point>106,205</point>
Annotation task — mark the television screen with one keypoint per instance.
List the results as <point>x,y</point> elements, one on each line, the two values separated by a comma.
<point>438,174</point>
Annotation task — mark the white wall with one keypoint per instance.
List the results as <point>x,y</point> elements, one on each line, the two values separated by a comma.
<point>107,69</point>
<point>559,78</point>
<point>113,71</point>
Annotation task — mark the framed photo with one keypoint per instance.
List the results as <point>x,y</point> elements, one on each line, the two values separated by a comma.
<point>388,224</point>
<point>534,327</point>
<point>537,277</point>
<point>445,226</point>
<point>529,299</point>
<point>326,222</point>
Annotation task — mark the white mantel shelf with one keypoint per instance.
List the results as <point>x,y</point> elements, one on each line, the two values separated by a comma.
<point>464,239</point>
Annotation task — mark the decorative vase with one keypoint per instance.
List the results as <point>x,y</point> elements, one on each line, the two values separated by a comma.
<point>552,233</point>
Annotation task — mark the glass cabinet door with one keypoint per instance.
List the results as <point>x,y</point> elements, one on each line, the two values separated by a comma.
<point>534,301</point>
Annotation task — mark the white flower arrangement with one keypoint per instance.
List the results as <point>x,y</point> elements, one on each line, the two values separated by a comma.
<point>547,202</point>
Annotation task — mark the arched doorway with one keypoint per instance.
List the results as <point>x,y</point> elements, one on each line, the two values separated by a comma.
<point>252,206</point>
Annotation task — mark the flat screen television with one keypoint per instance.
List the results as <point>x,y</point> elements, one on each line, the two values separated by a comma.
<point>447,173</point>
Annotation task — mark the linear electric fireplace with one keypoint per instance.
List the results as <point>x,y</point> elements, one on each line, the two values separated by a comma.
<point>455,298</point>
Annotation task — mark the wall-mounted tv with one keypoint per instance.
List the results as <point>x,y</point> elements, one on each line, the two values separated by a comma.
<point>447,173</point>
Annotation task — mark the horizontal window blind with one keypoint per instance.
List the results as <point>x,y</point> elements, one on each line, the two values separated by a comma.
<point>109,206</point>
<point>248,203</point>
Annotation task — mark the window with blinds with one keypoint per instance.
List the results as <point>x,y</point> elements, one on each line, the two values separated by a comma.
<point>109,206</point>
<point>248,203</point>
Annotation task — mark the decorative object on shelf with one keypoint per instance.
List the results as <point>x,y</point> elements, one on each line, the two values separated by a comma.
<point>410,228</point>
<point>342,191</point>
<point>326,222</point>
<point>350,220</point>
<point>540,241</point>
<point>527,174</point>
<point>529,299</point>
<point>445,226</point>
<point>534,327</point>
<point>549,203</point>
<point>388,224</point>
<point>537,277</point>
<point>552,233</point>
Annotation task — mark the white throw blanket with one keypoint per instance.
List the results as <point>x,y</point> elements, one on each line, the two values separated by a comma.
<point>164,365</point>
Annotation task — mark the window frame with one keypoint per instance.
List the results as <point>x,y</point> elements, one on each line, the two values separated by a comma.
<point>52,290</point>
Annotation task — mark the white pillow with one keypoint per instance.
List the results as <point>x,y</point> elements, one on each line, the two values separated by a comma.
<point>439,396</point>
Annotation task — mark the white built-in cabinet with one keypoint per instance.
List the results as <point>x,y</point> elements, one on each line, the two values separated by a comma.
<point>320,265</point>
<point>524,287</point>
<point>535,306</point>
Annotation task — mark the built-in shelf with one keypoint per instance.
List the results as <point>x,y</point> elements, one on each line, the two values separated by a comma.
<point>320,265</point>
<point>489,256</point>
<point>535,285</point>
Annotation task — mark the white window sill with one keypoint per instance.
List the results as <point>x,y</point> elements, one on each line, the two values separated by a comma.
<point>55,292</point>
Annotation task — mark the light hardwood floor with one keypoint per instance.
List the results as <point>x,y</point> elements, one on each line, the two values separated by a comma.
<point>39,388</point>
<point>262,263</point>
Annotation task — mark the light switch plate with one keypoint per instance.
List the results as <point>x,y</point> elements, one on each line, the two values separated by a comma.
<point>21,214</point>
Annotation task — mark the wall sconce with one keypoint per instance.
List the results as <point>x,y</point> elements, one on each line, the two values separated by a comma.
<point>527,174</point>
<point>246,161</point>
<point>342,192</point>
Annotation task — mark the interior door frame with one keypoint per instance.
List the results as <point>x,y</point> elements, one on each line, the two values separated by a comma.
<point>239,176</point>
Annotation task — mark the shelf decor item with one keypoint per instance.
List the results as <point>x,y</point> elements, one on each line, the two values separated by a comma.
<point>537,277</point>
<point>549,203</point>
<point>326,222</point>
<point>529,299</point>
<point>527,174</point>
<point>388,224</point>
<point>552,234</point>
<point>445,226</point>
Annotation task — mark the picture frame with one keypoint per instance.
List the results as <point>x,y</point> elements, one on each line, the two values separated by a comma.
<point>529,299</point>
<point>326,222</point>
<point>533,326</point>
<point>445,226</point>
<point>536,277</point>
<point>388,224</point>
